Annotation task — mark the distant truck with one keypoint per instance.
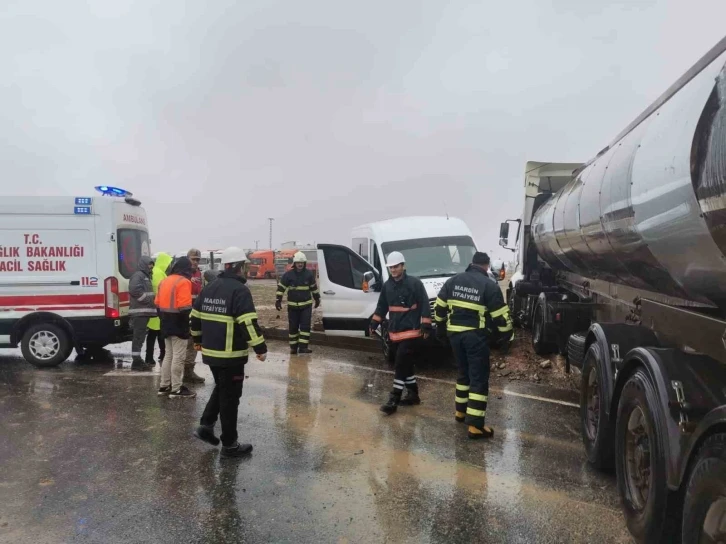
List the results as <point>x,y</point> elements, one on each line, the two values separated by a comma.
<point>622,267</point>
<point>283,260</point>
<point>65,265</point>
<point>262,264</point>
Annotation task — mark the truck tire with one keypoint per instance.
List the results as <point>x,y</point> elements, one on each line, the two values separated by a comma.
<point>640,462</point>
<point>705,505</point>
<point>46,345</point>
<point>539,331</point>
<point>595,426</point>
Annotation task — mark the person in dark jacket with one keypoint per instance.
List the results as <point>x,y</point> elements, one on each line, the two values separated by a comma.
<point>195,256</point>
<point>404,298</point>
<point>224,326</point>
<point>174,301</point>
<point>301,288</point>
<point>469,305</point>
<point>141,309</point>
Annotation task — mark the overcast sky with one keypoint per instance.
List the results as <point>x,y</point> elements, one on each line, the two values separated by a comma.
<point>324,114</point>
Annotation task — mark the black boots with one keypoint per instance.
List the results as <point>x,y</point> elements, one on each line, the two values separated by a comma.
<point>392,405</point>
<point>206,434</point>
<point>304,350</point>
<point>411,398</point>
<point>484,432</point>
<point>138,364</point>
<point>237,450</point>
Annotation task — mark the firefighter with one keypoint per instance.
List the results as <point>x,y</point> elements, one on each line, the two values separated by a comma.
<point>301,288</point>
<point>141,309</point>
<point>191,358</point>
<point>224,327</point>
<point>404,298</point>
<point>465,307</point>
<point>174,301</point>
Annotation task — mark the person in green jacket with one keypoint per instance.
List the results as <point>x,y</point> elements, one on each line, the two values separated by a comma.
<point>163,260</point>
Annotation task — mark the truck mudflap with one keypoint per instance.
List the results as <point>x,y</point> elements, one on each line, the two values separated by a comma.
<point>690,401</point>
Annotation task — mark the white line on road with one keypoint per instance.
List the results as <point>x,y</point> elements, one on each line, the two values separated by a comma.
<point>451,382</point>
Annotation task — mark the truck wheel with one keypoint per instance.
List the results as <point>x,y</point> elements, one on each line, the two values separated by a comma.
<point>389,348</point>
<point>595,426</point>
<point>539,344</point>
<point>705,504</point>
<point>640,462</point>
<point>46,345</point>
<point>514,304</point>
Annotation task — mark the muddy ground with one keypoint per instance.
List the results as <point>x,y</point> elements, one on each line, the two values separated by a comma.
<point>521,364</point>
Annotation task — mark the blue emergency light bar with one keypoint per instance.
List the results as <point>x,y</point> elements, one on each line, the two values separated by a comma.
<point>82,210</point>
<point>105,190</point>
<point>83,201</point>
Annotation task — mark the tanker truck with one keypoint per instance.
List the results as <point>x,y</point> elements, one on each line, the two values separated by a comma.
<point>622,268</point>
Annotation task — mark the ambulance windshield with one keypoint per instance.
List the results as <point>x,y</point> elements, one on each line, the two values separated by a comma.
<point>132,244</point>
<point>434,257</point>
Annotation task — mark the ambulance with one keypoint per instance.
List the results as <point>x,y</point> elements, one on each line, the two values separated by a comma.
<point>65,265</point>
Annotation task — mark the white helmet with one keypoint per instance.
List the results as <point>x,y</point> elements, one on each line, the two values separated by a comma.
<point>394,258</point>
<point>233,255</point>
<point>299,257</point>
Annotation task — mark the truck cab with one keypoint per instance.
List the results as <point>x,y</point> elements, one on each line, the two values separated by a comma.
<point>351,278</point>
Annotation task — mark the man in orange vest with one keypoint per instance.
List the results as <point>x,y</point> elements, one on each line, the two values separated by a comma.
<point>174,301</point>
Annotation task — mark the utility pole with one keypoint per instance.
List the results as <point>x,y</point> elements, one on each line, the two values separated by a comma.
<point>257,245</point>
<point>270,219</point>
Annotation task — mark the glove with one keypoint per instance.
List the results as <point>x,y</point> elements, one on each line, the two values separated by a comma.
<point>441,331</point>
<point>197,347</point>
<point>261,356</point>
<point>278,304</point>
<point>426,330</point>
<point>374,326</point>
<point>317,302</point>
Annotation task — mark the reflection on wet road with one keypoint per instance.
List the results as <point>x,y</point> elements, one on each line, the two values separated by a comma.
<point>90,455</point>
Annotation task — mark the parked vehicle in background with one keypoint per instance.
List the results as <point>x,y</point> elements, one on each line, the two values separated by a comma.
<point>262,264</point>
<point>65,265</point>
<point>622,266</point>
<point>435,249</point>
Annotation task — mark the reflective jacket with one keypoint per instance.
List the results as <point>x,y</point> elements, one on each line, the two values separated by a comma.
<point>472,301</point>
<point>163,260</point>
<point>224,322</point>
<point>174,300</point>
<point>407,305</point>
<point>141,292</point>
<point>300,287</point>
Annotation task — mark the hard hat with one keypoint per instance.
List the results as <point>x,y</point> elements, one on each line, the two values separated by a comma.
<point>299,257</point>
<point>194,253</point>
<point>394,258</point>
<point>233,255</point>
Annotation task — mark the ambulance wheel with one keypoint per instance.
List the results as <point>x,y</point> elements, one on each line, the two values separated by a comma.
<point>46,345</point>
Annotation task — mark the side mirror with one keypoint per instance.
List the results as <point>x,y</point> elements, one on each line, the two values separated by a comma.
<point>370,282</point>
<point>504,234</point>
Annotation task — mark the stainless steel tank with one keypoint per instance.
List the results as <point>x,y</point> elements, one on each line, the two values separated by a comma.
<point>650,210</point>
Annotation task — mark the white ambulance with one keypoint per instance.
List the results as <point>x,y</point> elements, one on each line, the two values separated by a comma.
<point>65,264</point>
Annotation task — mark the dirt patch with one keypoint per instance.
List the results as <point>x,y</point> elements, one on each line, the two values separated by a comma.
<point>523,364</point>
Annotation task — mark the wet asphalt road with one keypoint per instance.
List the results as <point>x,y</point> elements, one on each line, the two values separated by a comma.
<point>89,453</point>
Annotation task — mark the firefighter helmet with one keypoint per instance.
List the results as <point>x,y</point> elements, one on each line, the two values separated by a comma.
<point>394,258</point>
<point>299,257</point>
<point>233,255</point>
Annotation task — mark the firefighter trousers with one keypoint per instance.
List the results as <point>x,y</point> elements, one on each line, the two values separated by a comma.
<point>299,321</point>
<point>224,401</point>
<point>404,368</point>
<point>472,384</point>
<point>138,326</point>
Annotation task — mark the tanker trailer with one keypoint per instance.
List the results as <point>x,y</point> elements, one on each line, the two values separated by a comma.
<point>622,267</point>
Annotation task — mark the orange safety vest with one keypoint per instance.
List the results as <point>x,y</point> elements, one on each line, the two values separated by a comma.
<point>175,294</point>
